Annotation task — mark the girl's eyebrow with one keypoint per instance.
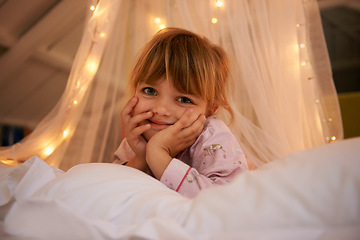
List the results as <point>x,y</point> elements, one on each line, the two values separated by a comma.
<point>149,84</point>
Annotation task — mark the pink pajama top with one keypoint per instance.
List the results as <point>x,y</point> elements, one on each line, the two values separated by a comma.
<point>214,159</point>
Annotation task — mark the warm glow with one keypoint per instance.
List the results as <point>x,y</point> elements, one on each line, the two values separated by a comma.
<point>302,45</point>
<point>75,102</point>
<point>65,133</point>
<point>333,138</point>
<point>218,3</point>
<point>48,151</point>
<point>92,66</point>
<point>298,25</point>
<point>92,8</point>
<point>303,63</point>
<point>214,20</point>
<point>162,26</point>
<point>102,35</point>
<point>157,20</point>
<point>7,162</point>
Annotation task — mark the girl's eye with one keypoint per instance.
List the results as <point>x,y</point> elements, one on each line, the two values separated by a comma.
<point>149,91</point>
<point>184,100</point>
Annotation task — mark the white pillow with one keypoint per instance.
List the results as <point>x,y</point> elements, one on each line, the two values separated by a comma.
<point>313,194</point>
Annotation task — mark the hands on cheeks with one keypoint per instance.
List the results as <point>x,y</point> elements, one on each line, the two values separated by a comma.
<point>166,144</point>
<point>133,133</point>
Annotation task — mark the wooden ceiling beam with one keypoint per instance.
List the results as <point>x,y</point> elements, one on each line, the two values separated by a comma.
<point>52,26</point>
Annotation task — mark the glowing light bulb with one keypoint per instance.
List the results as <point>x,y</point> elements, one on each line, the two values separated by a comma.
<point>333,138</point>
<point>157,20</point>
<point>214,20</point>
<point>218,3</point>
<point>92,8</point>
<point>102,35</point>
<point>298,25</point>
<point>302,45</point>
<point>75,102</point>
<point>162,26</point>
<point>303,63</point>
<point>65,133</point>
<point>48,151</point>
<point>91,66</point>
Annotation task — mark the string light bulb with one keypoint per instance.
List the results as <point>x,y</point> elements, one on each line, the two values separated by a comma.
<point>65,133</point>
<point>91,66</point>
<point>303,63</point>
<point>75,102</point>
<point>157,20</point>
<point>92,8</point>
<point>48,151</point>
<point>302,45</point>
<point>218,3</point>
<point>214,20</point>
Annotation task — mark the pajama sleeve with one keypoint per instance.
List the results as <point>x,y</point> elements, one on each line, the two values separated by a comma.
<point>124,153</point>
<point>216,157</point>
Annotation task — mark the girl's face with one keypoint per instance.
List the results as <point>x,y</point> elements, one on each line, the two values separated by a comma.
<point>167,105</point>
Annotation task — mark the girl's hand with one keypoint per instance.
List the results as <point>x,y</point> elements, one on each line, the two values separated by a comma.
<point>182,134</point>
<point>134,131</point>
<point>166,144</point>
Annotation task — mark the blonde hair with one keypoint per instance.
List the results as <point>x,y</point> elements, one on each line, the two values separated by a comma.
<point>193,64</point>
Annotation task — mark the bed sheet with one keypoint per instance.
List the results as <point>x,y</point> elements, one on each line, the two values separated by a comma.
<point>312,194</point>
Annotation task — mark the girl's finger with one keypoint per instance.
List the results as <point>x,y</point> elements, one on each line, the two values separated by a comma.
<point>188,118</point>
<point>128,108</point>
<point>136,132</point>
<point>137,119</point>
<point>195,128</point>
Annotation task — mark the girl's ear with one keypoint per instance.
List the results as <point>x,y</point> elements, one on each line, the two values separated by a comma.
<point>212,109</point>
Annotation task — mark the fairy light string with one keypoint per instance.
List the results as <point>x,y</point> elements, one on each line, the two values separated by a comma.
<point>306,68</point>
<point>62,126</point>
<point>84,77</point>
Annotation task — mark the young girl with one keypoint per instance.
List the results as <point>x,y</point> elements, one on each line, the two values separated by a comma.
<point>178,83</point>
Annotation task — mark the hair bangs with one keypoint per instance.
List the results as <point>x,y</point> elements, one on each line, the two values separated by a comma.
<point>187,64</point>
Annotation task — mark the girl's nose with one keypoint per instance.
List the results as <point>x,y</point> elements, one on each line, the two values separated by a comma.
<point>162,107</point>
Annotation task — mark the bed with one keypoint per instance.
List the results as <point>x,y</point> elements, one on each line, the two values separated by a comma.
<point>312,194</point>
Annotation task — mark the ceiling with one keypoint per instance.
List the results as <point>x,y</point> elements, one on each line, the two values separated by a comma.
<point>39,39</point>
<point>38,42</point>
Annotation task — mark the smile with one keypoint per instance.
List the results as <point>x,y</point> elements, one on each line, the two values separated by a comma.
<point>158,125</point>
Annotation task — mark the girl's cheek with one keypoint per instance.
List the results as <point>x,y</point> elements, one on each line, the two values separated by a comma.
<point>141,106</point>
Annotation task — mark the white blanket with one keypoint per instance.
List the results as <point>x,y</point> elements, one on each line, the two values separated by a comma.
<point>313,194</point>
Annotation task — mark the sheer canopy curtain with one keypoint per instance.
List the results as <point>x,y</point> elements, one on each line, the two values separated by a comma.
<point>282,88</point>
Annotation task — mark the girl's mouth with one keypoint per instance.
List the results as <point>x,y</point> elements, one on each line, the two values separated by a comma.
<point>158,125</point>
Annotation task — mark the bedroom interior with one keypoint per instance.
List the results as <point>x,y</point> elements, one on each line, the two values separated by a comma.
<point>63,66</point>
<point>34,75</point>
